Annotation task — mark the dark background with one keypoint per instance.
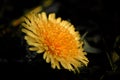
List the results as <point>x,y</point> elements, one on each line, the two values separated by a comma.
<point>99,17</point>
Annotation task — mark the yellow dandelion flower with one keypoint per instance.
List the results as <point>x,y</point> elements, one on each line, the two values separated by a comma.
<point>56,39</point>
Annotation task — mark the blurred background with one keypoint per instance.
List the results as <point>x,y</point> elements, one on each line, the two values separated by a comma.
<point>100,19</point>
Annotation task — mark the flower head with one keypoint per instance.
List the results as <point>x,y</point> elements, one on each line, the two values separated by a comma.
<point>56,39</point>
